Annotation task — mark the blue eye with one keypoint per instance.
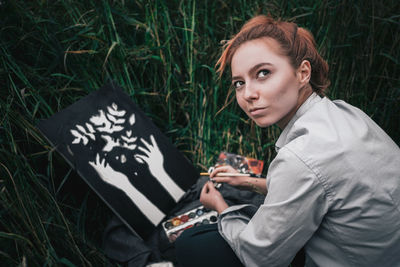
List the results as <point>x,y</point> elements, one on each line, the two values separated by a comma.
<point>237,84</point>
<point>263,73</point>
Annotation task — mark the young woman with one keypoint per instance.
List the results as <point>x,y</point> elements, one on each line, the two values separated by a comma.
<point>334,186</point>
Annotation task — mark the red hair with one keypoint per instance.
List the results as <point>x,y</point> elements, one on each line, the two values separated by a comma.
<point>296,43</point>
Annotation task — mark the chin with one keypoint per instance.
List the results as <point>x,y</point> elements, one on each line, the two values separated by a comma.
<point>263,123</point>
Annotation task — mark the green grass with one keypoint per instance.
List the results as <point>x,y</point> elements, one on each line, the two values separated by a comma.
<point>162,53</point>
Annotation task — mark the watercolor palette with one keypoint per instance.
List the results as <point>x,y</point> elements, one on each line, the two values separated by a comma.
<point>195,217</point>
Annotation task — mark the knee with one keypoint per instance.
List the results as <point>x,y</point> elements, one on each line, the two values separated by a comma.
<point>185,242</point>
<point>192,244</point>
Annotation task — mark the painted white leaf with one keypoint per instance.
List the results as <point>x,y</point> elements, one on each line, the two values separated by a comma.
<point>115,112</point>
<point>91,136</point>
<point>120,121</point>
<point>76,133</point>
<point>81,128</point>
<point>90,128</point>
<point>129,140</point>
<point>85,140</point>
<point>100,119</point>
<point>129,133</point>
<point>105,129</point>
<point>115,120</point>
<point>130,147</point>
<point>132,119</point>
<point>96,119</point>
<point>79,137</point>
<point>111,118</point>
<point>117,128</point>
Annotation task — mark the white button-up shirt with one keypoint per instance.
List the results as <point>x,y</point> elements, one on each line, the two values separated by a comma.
<point>333,188</point>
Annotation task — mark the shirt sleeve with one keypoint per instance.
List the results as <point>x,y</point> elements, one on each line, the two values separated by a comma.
<point>291,213</point>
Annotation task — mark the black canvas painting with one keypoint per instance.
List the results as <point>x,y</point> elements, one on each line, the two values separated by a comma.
<point>122,155</point>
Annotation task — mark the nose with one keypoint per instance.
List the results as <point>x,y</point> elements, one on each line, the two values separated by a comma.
<point>250,92</point>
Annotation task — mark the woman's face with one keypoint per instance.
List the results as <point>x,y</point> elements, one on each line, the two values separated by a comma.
<point>267,86</point>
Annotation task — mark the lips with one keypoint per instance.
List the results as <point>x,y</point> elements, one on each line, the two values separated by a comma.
<point>257,111</point>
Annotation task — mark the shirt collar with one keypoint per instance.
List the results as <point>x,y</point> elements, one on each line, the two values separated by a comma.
<point>310,101</point>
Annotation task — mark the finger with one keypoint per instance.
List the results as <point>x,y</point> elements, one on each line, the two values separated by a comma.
<point>225,168</point>
<point>205,195</point>
<point>222,179</point>
<point>147,152</point>
<point>153,141</point>
<point>205,189</point>
<point>211,187</point>
<point>148,146</point>
<point>222,169</point>
<point>139,159</point>
<point>143,157</point>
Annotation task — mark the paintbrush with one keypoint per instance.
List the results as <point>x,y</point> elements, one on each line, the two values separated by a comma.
<point>224,174</point>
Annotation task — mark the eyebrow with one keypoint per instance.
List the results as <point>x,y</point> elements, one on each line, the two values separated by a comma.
<point>254,68</point>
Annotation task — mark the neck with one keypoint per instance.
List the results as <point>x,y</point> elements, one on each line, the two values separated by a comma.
<point>304,93</point>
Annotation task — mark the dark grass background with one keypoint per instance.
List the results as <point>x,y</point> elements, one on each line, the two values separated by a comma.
<point>162,53</point>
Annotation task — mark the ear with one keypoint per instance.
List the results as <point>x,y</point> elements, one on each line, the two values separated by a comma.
<point>304,72</point>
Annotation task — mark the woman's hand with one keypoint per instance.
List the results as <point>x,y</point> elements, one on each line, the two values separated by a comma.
<point>257,185</point>
<point>237,181</point>
<point>211,198</point>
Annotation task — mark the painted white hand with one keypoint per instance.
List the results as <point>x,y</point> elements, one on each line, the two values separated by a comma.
<point>121,181</point>
<point>152,155</point>
<point>155,160</point>
<point>108,175</point>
